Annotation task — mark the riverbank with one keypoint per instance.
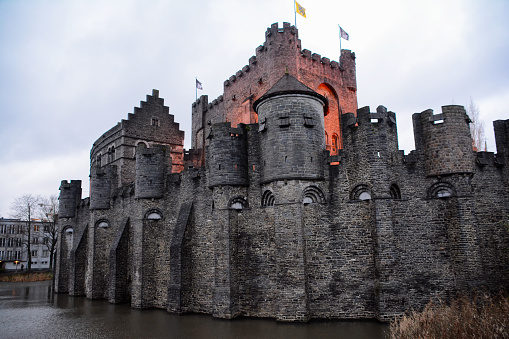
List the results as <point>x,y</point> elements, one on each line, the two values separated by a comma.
<point>26,276</point>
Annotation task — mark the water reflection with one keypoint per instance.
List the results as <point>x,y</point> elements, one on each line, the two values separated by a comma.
<point>31,310</point>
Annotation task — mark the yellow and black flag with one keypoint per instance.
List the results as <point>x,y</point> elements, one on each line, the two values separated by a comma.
<point>299,9</point>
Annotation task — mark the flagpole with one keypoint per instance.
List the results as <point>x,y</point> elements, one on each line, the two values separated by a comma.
<point>295,12</point>
<point>339,40</point>
<point>196,88</point>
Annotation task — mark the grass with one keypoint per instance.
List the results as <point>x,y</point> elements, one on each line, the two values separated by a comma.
<point>26,277</point>
<point>481,316</point>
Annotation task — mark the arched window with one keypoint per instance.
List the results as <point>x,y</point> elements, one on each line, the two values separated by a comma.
<point>313,195</point>
<point>238,203</point>
<point>441,190</point>
<point>102,223</point>
<point>153,214</point>
<point>334,143</point>
<point>361,192</point>
<point>395,192</point>
<point>267,198</point>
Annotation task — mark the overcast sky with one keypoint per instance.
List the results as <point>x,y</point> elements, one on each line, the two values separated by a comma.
<point>70,70</point>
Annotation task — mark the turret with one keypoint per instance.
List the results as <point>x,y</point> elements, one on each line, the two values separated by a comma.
<point>501,128</point>
<point>70,195</point>
<point>102,180</point>
<point>291,123</point>
<point>151,168</point>
<point>372,132</point>
<point>227,152</point>
<point>445,140</point>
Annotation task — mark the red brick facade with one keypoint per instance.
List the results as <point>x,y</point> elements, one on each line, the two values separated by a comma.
<point>280,52</point>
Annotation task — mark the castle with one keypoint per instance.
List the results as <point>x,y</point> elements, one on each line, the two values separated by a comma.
<point>292,203</point>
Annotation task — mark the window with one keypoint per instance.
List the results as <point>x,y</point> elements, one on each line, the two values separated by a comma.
<point>155,122</point>
<point>262,125</point>
<point>45,253</point>
<point>361,192</point>
<point>153,215</point>
<point>238,203</point>
<point>34,253</point>
<point>365,196</point>
<point>267,198</point>
<point>395,192</point>
<point>103,224</point>
<point>312,195</point>
<point>35,241</point>
<point>308,120</point>
<point>284,119</point>
<point>334,143</point>
<point>441,190</point>
<point>36,228</point>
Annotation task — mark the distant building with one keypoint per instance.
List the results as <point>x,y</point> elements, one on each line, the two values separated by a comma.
<point>13,249</point>
<point>293,203</point>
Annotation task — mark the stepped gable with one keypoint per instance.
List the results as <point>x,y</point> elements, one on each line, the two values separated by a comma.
<point>289,85</point>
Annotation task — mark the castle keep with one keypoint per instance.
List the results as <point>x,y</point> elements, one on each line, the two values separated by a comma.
<point>292,203</point>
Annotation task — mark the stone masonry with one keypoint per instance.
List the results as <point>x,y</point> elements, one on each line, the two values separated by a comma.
<point>292,204</point>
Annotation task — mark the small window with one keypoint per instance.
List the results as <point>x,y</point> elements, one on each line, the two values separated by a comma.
<point>154,216</point>
<point>441,190</point>
<point>309,122</point>
<point>361,192</point>
<point>267,198</point>
<point>69,230</point>
<point>103,224</point>
<point>236,206</point>
<point>262,125</point>
<point>284,122</point>
<point>155,122</point>
<point>365,196</point>
<point>395,192</point>
<point>313,195</point>
<point>238,203</point>
<point>443,193</point>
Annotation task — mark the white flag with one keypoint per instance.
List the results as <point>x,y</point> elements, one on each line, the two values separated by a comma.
<point>198,85</point>
<point>343,34</point>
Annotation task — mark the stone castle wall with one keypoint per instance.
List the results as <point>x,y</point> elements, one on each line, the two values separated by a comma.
<point>273,225</point>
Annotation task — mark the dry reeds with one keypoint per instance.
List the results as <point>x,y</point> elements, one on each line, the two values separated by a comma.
<point>481,316</point>
<point>26,277</point>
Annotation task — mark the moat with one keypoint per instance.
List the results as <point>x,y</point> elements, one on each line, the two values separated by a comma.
<point>32,310</point>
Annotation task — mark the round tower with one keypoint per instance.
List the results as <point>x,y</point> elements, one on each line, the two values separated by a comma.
<point>227,159</point>
<point>291,123</point>
<point>445,140</point>
<point>151,166</point>
<point>70,195</point>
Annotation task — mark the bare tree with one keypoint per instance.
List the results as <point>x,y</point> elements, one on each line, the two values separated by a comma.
<point>49,217</point>
<point>476,127</point>
<point>25,208</point>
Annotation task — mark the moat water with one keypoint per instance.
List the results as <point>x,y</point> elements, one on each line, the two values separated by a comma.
<point>32,310</point>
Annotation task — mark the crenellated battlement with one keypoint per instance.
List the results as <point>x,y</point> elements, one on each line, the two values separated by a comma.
<point>445,140</point>
<point>70,195</point>
<point>227,156</point>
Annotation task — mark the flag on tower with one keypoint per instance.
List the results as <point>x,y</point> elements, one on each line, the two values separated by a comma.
<point>343,34</point>
<point>198,85</point>
<point>301,10</point>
